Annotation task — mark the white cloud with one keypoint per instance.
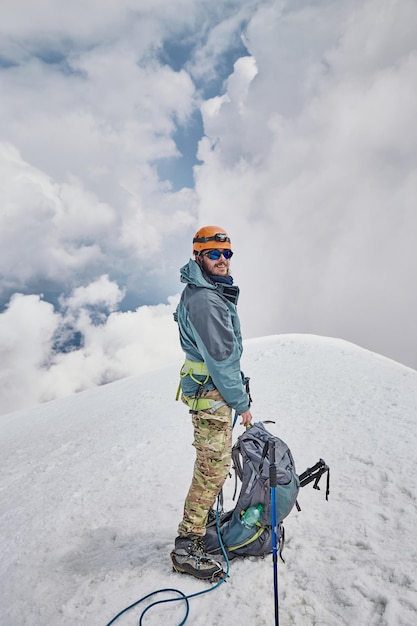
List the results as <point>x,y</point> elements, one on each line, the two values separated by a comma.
<point>114,344</point>
<point>101,292</point>
<point>90,130</point>
<point>315,176</point>
<point>27,328</point>
<point>220,37</point>
<point>122,345</point>
<point>309,159</point>
<point>47,230</point>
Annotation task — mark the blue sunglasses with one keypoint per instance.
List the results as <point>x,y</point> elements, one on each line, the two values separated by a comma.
<point>214,255</point>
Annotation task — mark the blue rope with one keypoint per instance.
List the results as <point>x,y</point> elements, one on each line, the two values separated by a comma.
<point>182,595</point>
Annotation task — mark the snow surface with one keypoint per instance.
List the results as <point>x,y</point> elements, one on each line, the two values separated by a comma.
<point>92,489</point>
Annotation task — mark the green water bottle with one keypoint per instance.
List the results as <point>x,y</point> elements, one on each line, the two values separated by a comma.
<point>252,515</point>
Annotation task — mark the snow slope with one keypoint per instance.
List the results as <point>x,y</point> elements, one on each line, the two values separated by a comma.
<point>92,488</point>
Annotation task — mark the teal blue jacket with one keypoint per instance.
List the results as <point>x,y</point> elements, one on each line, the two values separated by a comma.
<point>209,331</point>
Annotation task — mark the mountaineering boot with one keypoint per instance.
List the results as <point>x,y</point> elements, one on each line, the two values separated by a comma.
<point>189,557</point>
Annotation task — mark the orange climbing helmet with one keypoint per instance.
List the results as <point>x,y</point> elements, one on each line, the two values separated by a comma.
<point>209,237</point>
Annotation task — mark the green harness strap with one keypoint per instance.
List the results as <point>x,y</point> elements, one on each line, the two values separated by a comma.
<point>196,404</point>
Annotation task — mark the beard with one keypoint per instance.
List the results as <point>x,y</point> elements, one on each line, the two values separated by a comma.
<point>215,269</point>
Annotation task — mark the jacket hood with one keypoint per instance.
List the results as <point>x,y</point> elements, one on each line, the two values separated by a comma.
<point>192,274</point>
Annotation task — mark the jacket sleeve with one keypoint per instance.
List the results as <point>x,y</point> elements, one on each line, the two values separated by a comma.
<point>210,320</point>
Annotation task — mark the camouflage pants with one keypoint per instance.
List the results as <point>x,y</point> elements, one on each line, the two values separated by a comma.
<point>213,444</point>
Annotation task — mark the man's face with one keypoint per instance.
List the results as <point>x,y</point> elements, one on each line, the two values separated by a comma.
<point>219,267</point>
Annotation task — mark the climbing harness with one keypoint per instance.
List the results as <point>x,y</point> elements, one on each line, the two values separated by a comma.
<point>197,403</point>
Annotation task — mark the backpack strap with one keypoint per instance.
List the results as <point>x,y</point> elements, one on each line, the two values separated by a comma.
<point>255,472</point>
<point>252,478</point>
<point>237,465</point>
<point>237,454</point>
<point>264,455</point>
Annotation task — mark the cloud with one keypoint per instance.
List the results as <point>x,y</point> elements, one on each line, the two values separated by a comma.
<point>57,234</point>
<point>27,328</point>
<point>114,345</point>
<point>38,353</point>
<point>308,158</point>
<point>101,292</point>
<point>315,176</point>
<point>84,123</point>
<point>88,110</point>
<point>219,38</point>
<point>48,231</point>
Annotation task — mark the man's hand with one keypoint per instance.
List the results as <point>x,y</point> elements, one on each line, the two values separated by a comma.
<point>246,418</point>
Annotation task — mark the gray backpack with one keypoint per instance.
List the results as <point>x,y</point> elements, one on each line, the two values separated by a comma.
<point>251,465</point>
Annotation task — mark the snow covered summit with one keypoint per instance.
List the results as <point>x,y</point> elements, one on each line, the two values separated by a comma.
<point>93,485</point>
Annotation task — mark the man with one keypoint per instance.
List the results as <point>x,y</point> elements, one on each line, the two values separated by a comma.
<point>211,385</point>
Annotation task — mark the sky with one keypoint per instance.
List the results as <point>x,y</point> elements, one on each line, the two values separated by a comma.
<point>126,125</point>
<point>93,488</point>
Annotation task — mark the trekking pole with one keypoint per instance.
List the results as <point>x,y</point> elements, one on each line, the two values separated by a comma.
<point>272,441</point>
